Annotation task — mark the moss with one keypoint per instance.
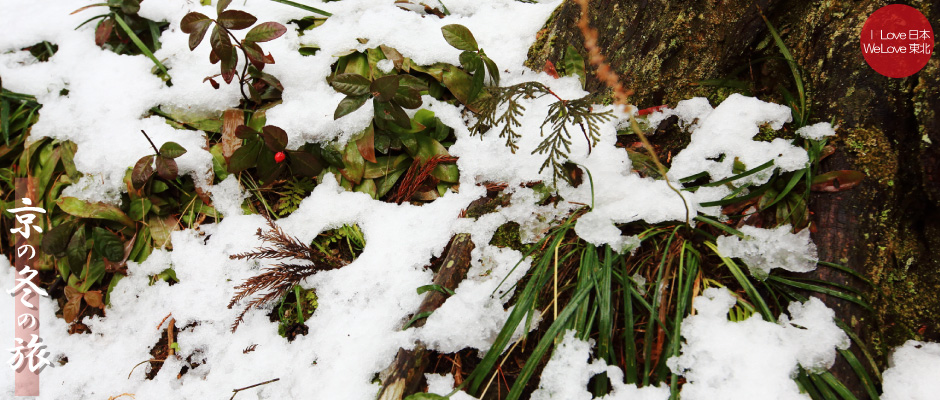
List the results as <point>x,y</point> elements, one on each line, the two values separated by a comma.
<point>507,235</point>
<point>874,154</point>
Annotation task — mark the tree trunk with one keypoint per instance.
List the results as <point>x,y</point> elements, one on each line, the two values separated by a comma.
<point>887,228</point>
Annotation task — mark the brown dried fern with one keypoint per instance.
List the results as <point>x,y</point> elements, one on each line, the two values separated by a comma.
<point>282,277</point>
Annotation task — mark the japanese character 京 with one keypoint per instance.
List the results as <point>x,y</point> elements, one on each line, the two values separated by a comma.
<point>26,218</point>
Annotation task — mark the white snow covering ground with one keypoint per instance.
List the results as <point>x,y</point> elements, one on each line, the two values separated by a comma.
<point>356,330</point>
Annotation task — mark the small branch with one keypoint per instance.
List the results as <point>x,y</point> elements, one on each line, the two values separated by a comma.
<point>235,391</point>
<point>241,79</point>
<point>151,145</point>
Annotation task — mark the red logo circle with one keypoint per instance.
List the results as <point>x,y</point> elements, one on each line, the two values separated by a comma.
<point>897,41</point>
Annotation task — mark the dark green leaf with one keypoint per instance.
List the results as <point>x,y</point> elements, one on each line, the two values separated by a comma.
<point>130,6</point>
<point>77,251</point>
<point>385,165</point>
<point>332,155</point>
<point>383,185</point>
<point>460,84</point>
<point>382,143</point>
<point>235,20</point>
<point>192,21</point>
<point>143,170</point>
<point>171,150</point>
<point>392,112</point>
<point>222,47</point>
<point>413,82</point>
<point>56,241</point>
<point>96,270</point>
<point>305,164</point>
<point>493,70</point>
<point>368,187</point>
<point>222,5</point>
<point>245,132</point>
<point>349,104</point>
<point>80,208</point>
<point>166,168</point>
<point>471,61</point>
<point>407,97</point>
<point>476,85</point>
<point>108,244</point>
<point>275,138</point>
<point>384,88</point>
<point>351,84</point>
<point>245,157</point>
<point>269,170</point>
<point>255,54</point>
<point>428,148</point>
<point>265,31</point>
<point>460,37</point>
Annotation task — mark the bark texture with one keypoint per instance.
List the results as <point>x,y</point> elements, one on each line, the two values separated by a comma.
<point>888,228</point>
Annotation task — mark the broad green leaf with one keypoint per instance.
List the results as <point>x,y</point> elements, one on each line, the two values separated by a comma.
<point>192,21</point>
<point>385,165</point>
<point>384,88</point>
<point>407,97</point>
<point>351,84</point>
<point>257,120</point>
<point>414,127</point>
<point>130,6</point>
<point>161,228</point>
<point>391,112</point>
<point>265,31</point>
<point>428,148</point>
<point>460,84</point>
<point>139,208</point>
<point>574,64</point>
<point>83,209</point>
<point>349,104</point>
<point>56,241</point>
<point>332,155</point>
<point>413,82</point>
<point>435,70</point>
<point>425,117</point>
<point>305,164</point>
<point>143,170</point>
<point>166,168</point>
<point>356,63</point>
<point>275,138</point>
<point>471,61</point>
<point>476,85</point>
<point>493,70</point>
<point>235,20</point>
<point>382,143</point>
<point>374,56</point>
<point>245,157</point>
<point>383,185</point>
<point>77,251</point>
<point>368,187</point>
<point>460,37</point>
<point>353,163</point>
<point>244,132</point>
<point>172,150</point>
<point>107,244</point>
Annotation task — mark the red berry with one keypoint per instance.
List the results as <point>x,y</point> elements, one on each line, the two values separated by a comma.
<point>279,157</point>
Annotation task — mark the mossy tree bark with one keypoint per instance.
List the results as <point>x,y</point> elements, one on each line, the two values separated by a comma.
<point>888,227</point>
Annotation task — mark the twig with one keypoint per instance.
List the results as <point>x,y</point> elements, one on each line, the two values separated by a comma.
<point>249,387</point>
<point>151,145</point>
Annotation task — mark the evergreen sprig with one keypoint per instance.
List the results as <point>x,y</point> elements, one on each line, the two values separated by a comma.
<point>503,108</point>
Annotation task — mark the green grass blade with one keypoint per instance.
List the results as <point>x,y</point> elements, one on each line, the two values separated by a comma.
<point>847,270</point>
<point>742,279</point>
<point>794,180</point>
<point>719,225</point>
<point>823,290</point>
<point>630,367</point>
<point>304,7</point>
<point>839,387</point>
<point>747,173</point>
<point>5,121</point>
<point>861,373</point>
<point>794,68</point>
<point>140,45</point>
<point>546,342</point>
<point>724,202</point>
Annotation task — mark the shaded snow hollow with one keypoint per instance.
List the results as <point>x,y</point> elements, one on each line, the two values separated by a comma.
<point>356,332</point>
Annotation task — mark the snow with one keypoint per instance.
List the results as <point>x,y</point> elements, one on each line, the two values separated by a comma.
<point>753,359</point>
<point>568,372</point>
<point>816,131</point>
<point>356,330</point>
<point>765,249</point>
<point>913,372</point>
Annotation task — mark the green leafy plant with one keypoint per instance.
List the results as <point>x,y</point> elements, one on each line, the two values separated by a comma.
<point>131,28</point>
<point>223,50</point>
<point>265,147</point>
<point>473,59</point>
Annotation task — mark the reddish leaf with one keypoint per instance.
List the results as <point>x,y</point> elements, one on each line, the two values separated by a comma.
<point>71,309</point>
<point>215,85</point>
<point>244,132</point>
<point>305,164</point>
<point>94,298</point>
<point>196,37</point>
<point>648,111</point>
<point>103,32</point>
<point>549,69</point>
<point>385,88</point>
<point>222,5</point>
<point>265,31</point>
<point>235,20</point>
<point>366,145</point>
<point>143,170</point>
<point>255,54</point>
<point>192,21</point>
<point>827,151</point>
<point>351,84</point>
<point>166,168</point>
<point>275,138</point>
<point>72,294</point>
<point>837,181</point>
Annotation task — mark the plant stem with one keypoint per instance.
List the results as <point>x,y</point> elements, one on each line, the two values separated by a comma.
<point>151,142</point>
<point>241,78</point>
